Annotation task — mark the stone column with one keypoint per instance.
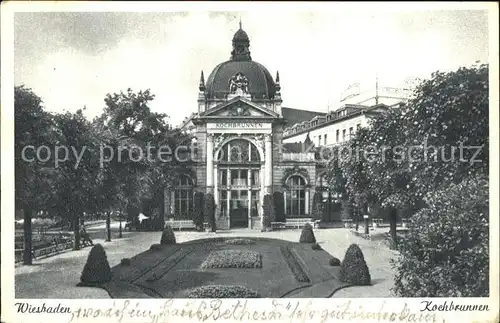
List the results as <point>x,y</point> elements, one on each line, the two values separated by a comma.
<point>268,178</point>
<point>307,201</point>
<point>210,162</point>
<point>249,189</point>
<point>216,185</point>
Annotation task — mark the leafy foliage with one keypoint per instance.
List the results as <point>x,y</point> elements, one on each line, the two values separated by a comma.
<point>307,234</point>
<point>198,212</point>
<point>168,236</point>
<point>96,271</point>
<point>210,210</point>
<point>353,268</point>
<point>279,205</point>
<point>269,211</point>
<point>445,253</point>
<point>317,206</point>
<point>334,262</point>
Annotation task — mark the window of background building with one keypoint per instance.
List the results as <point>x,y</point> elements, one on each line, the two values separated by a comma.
<point>343,134</point>
<point>358,126</point>
<point>350,132</point>
<point>337,136</point>
<point>325,140</point>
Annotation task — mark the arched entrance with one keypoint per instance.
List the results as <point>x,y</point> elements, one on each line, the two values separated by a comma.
<point>239,181</point>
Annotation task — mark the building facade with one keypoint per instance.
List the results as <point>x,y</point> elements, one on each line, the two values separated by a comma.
<point>248,145</point>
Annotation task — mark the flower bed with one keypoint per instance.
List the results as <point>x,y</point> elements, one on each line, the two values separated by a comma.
<point>294,265</point>
<point>223,291</point>
<point>240,241</point>
<point>233,259</point>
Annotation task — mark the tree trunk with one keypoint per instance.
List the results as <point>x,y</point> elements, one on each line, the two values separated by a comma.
<point>28,246</point>
<point>393,218</point>
<point>76,219</point>
<point>108,226</point>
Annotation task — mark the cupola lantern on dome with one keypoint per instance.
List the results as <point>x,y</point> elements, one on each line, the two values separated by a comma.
<point>241,45</point>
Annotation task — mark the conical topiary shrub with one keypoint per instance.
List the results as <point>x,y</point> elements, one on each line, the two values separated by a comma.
<point>353,268</point>
<point>307,234</point>
<point>168,236</point>
<point>96,271</point>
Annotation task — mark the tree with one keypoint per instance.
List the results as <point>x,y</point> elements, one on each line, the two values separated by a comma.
<point>279,205</point>
<point>198,212</point>
<point>34,178</point>
<point>269,211</point>
<point>130,124</point>
<point>209,210</point>
<point>80,171</point>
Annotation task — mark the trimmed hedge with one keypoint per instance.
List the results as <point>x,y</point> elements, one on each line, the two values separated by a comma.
<point>125,262</point>
<point>279,206</point>
<point>353,268</point>
<point>307,234</point>
<point>198,214</point>
<point>168,236</point>
<point>269,211</point>
<point>209,210</point>
<point>96,271</point>
<point>156,247</point>
<point>316,247</point>
<point>335,262</point>
<point>233,259</point>
<point>223,291</point>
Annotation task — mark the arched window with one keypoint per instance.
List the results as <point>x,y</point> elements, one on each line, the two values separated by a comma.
<point>296,196</point>
<point>183,198</point>
<point>239,151</point>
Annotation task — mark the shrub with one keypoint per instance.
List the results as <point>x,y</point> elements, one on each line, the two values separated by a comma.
<point>233,259</point>
<point>198,214</point>
<point>209,210</point>
<point>240,241</point>
<point>353,268</point>
<point>279,206</point>
<point>316,247</point>
<point>125,262</point>
<point>156,247</point>
<point>445,252</point>
<point>223,291</point>
<point>269,211</point>
<point>168,236</point>
<point>96,271</point>
<point>307,234</point>
<point>335,262</point>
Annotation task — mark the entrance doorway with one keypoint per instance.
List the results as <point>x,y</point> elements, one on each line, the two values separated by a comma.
<point>239,183</point>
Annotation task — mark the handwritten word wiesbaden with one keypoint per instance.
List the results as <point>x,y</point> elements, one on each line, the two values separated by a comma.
<point>241,311</point>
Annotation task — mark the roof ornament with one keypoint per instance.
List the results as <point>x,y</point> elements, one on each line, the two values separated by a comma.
<point>202,82</point>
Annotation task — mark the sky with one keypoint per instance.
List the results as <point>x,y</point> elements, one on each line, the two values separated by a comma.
<point>73,59</point>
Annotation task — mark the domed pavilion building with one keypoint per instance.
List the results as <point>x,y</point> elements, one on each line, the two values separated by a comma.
<point>240,129</point>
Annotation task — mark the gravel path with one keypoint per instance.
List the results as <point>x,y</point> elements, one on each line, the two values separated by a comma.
<point>56,277</point>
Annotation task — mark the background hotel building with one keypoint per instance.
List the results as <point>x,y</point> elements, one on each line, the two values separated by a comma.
<point>248,145</point>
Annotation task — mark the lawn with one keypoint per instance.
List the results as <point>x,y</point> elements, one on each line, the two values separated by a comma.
<point>261,266</point>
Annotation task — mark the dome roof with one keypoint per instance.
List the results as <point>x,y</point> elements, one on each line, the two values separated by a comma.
<point>260,82</point>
